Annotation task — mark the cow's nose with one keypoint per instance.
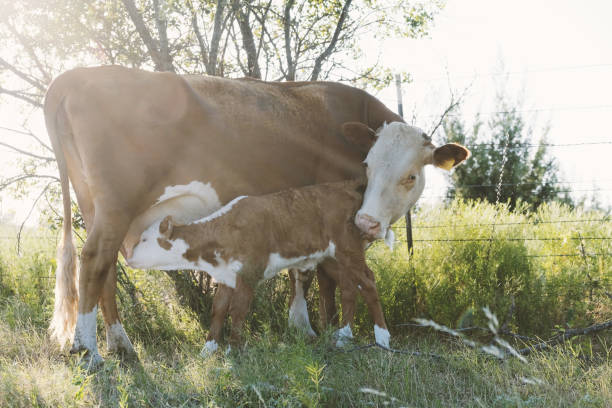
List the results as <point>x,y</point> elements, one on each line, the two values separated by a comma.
<point>368,225</point>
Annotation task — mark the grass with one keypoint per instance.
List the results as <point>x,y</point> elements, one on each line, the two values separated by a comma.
<point>446,282</point>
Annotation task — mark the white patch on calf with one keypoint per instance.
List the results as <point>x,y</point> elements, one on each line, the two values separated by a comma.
<point>223,210</point>
<point>344,335</point>
<point>148,254</point>
<point>117,339</point>
<point>209,348</point>
<point>298,312</point>
<point>277,263</point>
<point>382,336</point>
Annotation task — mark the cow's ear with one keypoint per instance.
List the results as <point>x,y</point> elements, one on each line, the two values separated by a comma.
<point>450,155</point>
<point>359,134</point>
<point>166,227</point>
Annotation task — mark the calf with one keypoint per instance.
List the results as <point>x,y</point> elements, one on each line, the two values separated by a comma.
<point>253,238</point>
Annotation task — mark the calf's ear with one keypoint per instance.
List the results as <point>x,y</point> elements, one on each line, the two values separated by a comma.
<point>166,227</point>
<point>448,156</point>
<point>359,134</point>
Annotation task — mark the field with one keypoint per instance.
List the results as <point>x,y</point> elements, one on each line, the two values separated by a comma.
<point>538,275</point>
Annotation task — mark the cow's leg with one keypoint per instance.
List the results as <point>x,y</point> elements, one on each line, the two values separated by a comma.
<point>239,307</point>
<point>98,256</point>
<point>117,340</point>
<point>221,304</point>
<point>328,313</point>
<point>298,311</point>
<point>367,286</point>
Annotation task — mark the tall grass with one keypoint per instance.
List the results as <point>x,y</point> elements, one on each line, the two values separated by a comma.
<point>448,282</point>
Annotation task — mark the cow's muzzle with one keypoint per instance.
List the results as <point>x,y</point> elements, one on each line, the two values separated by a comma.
<point>368,225</point>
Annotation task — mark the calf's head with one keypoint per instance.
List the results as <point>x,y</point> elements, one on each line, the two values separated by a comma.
<point>397,153</point>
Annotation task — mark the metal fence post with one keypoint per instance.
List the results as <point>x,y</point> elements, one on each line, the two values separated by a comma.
<point>400,111</point>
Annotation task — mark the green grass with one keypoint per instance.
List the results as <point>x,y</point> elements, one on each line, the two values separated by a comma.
<point>446,282</point>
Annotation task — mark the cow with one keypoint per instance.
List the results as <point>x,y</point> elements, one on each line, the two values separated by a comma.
<point>254,238</point>
<point>138,146</point>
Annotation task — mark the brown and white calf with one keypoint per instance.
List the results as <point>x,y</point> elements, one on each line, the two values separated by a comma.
<point>253,238</point>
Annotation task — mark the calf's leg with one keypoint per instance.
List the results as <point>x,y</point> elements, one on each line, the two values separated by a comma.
<point>239,307</point>
<point>328,313</point>
<point>220,307</point>
<point>368,290</point>
<point>348,298</point>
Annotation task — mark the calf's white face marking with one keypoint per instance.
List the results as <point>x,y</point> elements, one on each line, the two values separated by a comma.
<point>184,202</point>
<point>148,254</point>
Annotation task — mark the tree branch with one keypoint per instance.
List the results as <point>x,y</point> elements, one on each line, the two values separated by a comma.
<point>28,216</point>
<point>567,334</point>
<point>45,158</point>
<point>27,78</point>
<point>248,40</point>
<point>19,95</point>
<point>32,135</point>
<point>287,28</point>
<point>218,27</point>
<point>162,30</point>
<point>330,48</point>
<point>198,34</point>
<point>145,35</point>
<point>17,179</point>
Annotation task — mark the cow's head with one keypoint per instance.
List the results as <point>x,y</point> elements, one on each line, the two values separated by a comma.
<point>397,153</point>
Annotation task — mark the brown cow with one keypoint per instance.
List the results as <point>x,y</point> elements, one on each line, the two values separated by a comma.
<point>138,146</point>
<point>254,238</point>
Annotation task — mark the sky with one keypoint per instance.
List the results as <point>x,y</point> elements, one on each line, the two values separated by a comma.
<point>554,56</point>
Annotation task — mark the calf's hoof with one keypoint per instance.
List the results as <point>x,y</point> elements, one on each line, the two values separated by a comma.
<point>382,336</point>
<point>343,336</point>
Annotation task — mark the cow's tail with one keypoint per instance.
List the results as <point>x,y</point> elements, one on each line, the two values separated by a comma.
<point>66,276</point>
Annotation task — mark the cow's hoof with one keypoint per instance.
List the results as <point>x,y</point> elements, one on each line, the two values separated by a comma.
<point>209,349</point>
<point>91,361</point>
<point>118,342</point>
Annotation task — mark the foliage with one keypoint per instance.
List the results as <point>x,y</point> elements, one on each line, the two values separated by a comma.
<point>528,175</point>
<point>507,268</point>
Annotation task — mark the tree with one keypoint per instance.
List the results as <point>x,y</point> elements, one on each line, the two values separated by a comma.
<point>263,39</point>
<point>507,165</point>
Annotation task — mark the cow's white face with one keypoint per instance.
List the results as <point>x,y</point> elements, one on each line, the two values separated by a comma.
<point>395,173</point>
